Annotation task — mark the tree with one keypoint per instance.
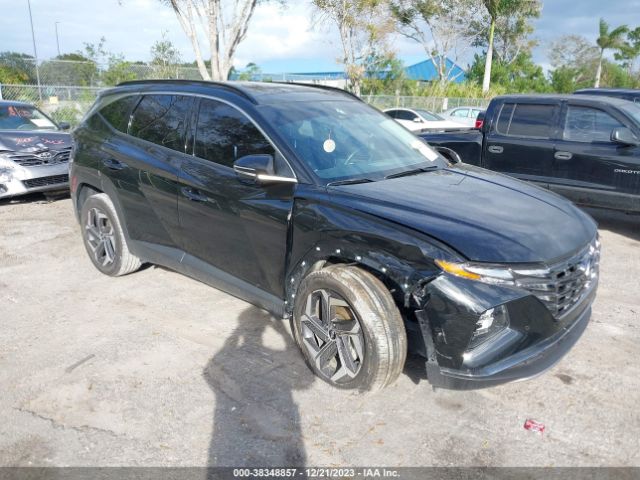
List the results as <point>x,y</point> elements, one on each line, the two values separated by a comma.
<point>363,28</point>
<point>69,69</point>
<point>440,27</point>
<point>17,68</point>
<point>384,74</point>
<point>573,59</point>
<point>251,72</point>
<point>519,75</point>
<point>499,12</point>
<point>165,58</point>
<point>223,24</point>
<point>630,50</point>
<point>609,40</point>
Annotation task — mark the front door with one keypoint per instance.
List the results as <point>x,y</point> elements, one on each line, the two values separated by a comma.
<point>589,167</point>
<point>230,224</point>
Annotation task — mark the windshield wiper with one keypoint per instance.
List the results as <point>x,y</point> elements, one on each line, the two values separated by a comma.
<point>351,181</point>
<point>413,171</point>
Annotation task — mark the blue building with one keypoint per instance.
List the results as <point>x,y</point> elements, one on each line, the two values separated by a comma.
<point>424,71</point>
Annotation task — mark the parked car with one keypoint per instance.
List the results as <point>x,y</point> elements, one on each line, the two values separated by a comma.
<point>34,151</point>
<point>464,115</point>
<point>307,202</point>
<point>623,93</point>
<point>418,120</point>
<point>586,148</point>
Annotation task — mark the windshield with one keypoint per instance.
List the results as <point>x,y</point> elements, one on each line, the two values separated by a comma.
<point>432,117</point>
<point>633,110</point>
<point>24,117</point>
<point>343,140</point>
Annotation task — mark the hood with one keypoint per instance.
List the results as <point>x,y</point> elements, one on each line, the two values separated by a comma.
<point>33,140</point>
<point>486,216</point>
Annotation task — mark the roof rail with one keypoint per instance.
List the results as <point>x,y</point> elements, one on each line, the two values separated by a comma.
<point>322,87</point>
<point>206,83</point>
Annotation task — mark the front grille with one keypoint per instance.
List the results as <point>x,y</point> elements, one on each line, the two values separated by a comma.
<point>563,285</point>
<point>44,181</point>
<point>43,158</point>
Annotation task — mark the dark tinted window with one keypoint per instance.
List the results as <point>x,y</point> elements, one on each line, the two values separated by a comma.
<point>392,113</point>
<point>585,124</point>
<point>224,134</point>
<point>405,115</point>
<point>161,119</point>
<point>117,113</point>
<point>526,120</point>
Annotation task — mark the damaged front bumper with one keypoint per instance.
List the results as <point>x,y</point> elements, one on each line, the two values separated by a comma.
<point>18,180</point>
<point>531,341</point>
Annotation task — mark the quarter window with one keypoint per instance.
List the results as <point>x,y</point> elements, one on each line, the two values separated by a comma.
<point>117,113</point>
<point>160,119</point>
<point>585,124</point>
<point>526,120</point>
<point>223,134</point>
<point>461,112</point>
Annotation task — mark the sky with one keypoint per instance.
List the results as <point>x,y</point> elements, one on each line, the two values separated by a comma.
<point>280,39</point>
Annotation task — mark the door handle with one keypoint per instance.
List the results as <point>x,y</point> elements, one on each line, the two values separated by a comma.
<point>194,195</point>
<point>563,155</point>
<point>496,149</point>
<point>113,164</point>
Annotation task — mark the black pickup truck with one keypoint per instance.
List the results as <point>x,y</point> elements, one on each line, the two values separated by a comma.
<point>584,147</point>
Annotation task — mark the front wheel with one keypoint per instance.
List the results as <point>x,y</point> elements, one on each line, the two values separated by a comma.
<point>349,328</point>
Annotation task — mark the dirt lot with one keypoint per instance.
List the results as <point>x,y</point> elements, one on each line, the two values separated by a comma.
<point>158,369</point>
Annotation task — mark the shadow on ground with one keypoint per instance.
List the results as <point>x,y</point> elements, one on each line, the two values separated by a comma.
<point>47,197</point>
<point>617,222</point>
<point>253,377</point>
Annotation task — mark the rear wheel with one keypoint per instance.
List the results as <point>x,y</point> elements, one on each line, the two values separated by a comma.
<point>104,239</point>
<point>349,328</point>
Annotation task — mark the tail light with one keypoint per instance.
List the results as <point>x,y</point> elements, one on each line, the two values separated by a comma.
<point>479,123</point>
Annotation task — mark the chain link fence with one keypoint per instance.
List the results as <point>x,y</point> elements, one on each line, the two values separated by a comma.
<point>433,104</point>
<point>69,103</point>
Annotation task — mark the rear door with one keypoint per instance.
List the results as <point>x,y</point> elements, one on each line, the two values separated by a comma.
<point>588,167</point>
<point>520,142</point>
<point>152,158</point>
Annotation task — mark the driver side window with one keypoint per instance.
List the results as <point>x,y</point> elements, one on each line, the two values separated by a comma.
<point>586,124</point>
<point>224,134</point>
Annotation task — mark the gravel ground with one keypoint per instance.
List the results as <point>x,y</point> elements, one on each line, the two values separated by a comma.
<point>158,369</point>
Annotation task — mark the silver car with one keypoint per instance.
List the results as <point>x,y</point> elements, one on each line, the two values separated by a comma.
<point>464,115</point>
<point>34,151</point>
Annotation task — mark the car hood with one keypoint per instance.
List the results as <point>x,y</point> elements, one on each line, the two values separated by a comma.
<point>485,216</point>
<point>33,140</point>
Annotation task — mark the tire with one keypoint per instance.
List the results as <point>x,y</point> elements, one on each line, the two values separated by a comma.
<point>104,239</point>
<point>367,357</point>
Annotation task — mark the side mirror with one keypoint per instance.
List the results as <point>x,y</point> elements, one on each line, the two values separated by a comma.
<point>64,125</point>
<point>449,154</point>
<point>259,169</point>
<point>624,136</point>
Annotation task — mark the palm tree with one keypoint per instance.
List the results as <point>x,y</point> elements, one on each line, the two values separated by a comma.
<point>609,40</point>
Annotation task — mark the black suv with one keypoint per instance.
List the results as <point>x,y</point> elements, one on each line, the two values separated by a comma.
<point>309,203</point>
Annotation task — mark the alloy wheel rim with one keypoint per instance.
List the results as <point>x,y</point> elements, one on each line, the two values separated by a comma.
<point>100,237</point>
<point>332,336</point>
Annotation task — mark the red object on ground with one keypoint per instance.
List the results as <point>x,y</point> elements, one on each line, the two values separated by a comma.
<point>534,426</point>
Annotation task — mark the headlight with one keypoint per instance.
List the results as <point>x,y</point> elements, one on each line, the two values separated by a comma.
<point>482,273</point>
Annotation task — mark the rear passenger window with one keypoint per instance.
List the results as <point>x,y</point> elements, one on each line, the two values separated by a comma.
<point>406,115</point>
<point>161,119</point>
<point>223,134</point>
<point>585,124</point>
<point>117,113</point>
<point>526,120</point>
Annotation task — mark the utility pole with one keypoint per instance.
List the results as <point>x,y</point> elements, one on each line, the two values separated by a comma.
<point>35,51</point>
<point>57,39</point>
